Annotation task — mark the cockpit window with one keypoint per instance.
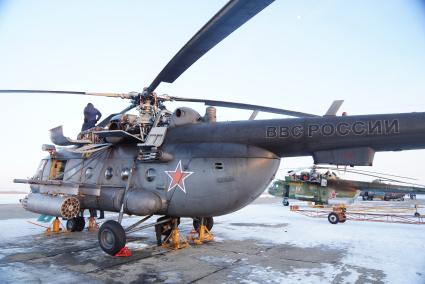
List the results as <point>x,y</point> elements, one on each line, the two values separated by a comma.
<point>39,173</point>
<point>57,170</point>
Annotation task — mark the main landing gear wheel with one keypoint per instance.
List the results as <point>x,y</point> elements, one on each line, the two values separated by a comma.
<point>333,218</point>
<point>111,237</point>
<point>76,224</point>
<point>163,230</point>
<point>208,222</point>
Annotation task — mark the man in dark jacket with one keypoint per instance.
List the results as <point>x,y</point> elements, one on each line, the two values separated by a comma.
<point>91,116</point>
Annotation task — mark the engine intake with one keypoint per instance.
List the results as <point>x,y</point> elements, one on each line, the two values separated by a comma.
<point>183,116</point>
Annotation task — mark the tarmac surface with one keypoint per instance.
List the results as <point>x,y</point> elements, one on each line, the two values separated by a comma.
<point>77,257</point>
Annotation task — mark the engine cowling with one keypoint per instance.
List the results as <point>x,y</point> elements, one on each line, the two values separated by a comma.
<point>183,116</point>
<point>142,202</point>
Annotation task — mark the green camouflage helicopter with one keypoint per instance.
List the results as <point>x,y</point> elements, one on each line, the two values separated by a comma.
<point>328,188</point>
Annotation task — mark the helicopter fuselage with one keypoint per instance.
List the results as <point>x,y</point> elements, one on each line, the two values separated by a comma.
<point>217,168</point>
<point>222,179</point>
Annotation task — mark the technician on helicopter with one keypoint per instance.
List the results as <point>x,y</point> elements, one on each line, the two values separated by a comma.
<point>91,116</point>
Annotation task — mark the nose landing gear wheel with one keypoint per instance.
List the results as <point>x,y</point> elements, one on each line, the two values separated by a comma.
<point>111,237</point>
<point>76,224</point>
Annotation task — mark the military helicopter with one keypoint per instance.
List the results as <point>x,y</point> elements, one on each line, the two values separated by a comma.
<point>325,188</point>
<point>184,164</point>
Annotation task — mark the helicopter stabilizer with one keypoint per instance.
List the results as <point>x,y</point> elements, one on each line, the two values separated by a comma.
<point>333,109</point>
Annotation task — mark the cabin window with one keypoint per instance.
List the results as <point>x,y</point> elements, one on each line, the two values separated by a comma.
<point>125,173</point>
<point>57,170</point>
<point>218,166</point>
<point>89,172</point>
<point>150,174</point>
<point>109,173</point>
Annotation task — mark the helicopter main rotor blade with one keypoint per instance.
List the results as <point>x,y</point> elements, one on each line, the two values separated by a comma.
<point>364,172</point>
<point>245,106</point>
<point>112,95</point>
<point>233,15</point>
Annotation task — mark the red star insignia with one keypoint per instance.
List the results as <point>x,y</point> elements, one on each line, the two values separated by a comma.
<point>177,177</point>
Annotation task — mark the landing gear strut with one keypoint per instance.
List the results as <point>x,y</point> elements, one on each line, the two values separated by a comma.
<point>111,235</point>
<point>208,222</point>
<point>202,232</point>
<point>163,230</point>
<point>170,231</point>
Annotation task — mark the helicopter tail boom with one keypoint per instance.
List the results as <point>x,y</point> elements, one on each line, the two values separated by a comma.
<point>345,140</point>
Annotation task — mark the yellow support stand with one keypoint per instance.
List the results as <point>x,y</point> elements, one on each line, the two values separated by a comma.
<point>174,241</point>
<point>204,235</point>
<point>93,226</point>
<point>55,227</point>
<point>201,235</point>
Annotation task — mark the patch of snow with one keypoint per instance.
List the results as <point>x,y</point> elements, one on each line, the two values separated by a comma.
<point>10,229</point>
<point>6,198</point>
<point>218,261</point>
<point>266,194</point>
<point>136,245</point>
<point>259,274</point>
<point>396,249</point>
<point>352,277</point>
<point>20,273</point>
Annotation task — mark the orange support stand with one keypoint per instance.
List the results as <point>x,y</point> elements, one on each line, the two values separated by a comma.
<point>204,235</point>
<point>93,226</point>
<point>340,211</point>
<point>55,227</point>
<point>174,241</point>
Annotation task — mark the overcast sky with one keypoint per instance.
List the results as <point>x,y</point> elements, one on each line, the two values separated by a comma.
<point>295,54</point>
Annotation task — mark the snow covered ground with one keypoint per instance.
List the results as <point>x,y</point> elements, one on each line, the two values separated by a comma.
<point>395,250</point>
<point>9,198</point>
<point>13,228</point>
